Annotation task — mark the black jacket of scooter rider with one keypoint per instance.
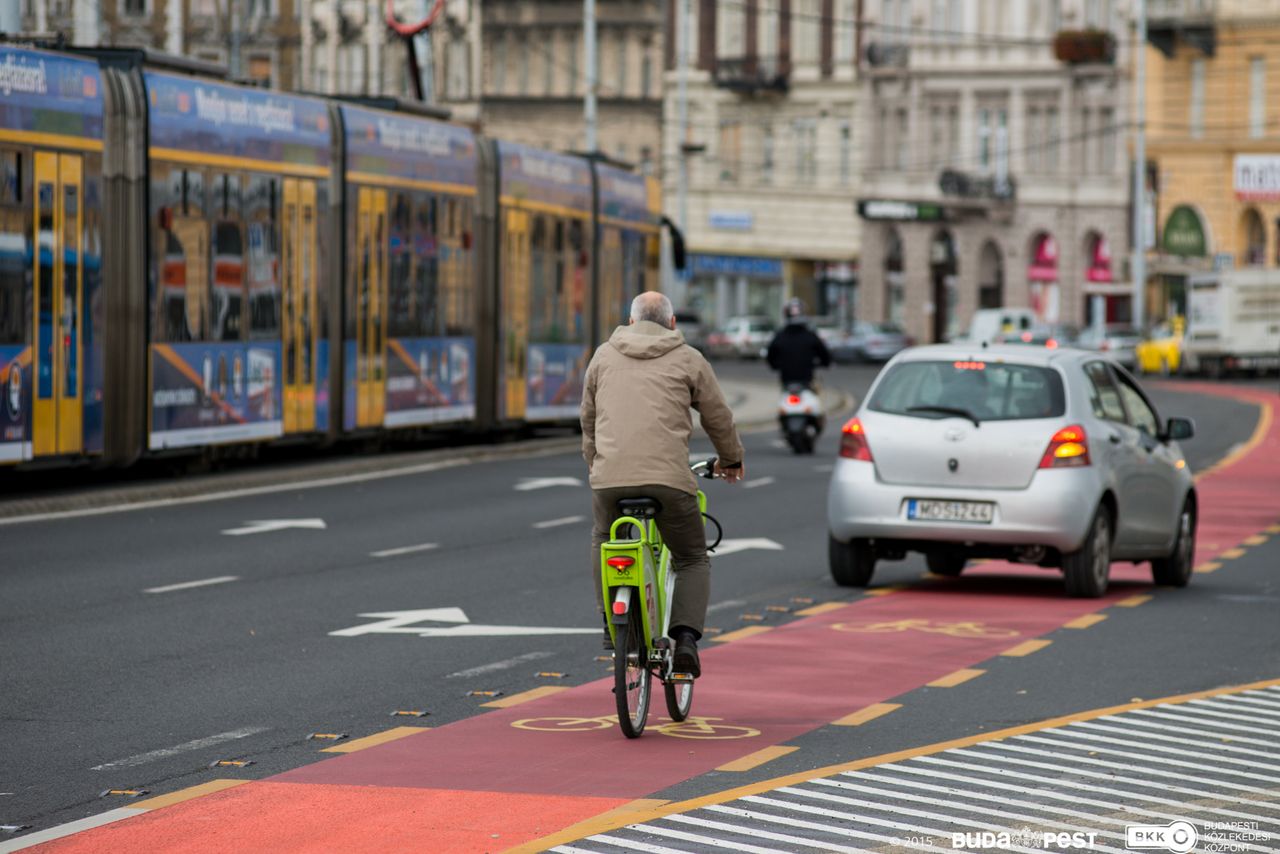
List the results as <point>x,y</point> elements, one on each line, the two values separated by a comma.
<point>794,352</point>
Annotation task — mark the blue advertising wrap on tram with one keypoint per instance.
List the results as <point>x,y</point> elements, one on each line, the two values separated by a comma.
<point>409,148</point>
<point>190,114</point>
<point>529,173</point>
<point>15,407</point>
<point>429,381</point>
<point>555,373</point>
<point>624,196</point>
<point>49,93</point>
<point>212,392</point>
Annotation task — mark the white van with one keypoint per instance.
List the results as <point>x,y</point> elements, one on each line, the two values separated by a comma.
<point>988,323</point>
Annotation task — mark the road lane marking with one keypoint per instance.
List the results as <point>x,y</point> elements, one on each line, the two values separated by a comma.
<point>266,526</point>
<point>1232,554</point>
<point>188,585</point>
<point>1229,711</point>
<point>1133,601</point>
<point>1084,622</point>
<point>755,760</point>
<point>393,734</point>
<point>739,634</point>
<point>870,713</point>
<point>404,550</point>
<point>960,677</point>
<point>1097,744</point>
<point>1209,566</point>
<point>563,520</point>
<point>1273,529</point>
<point>1255,540</point>
<point>525,696</point>
<point>1026,648</point>
<point>505,664</point>
<point>696,838</point>
<point>187,794</point>
<point>835,830</point>
<point>885,591</point>
<point>797,842</point>
<point>1126,729</point>
<point>197,744</point>
<point>728,603</point>
<point>843,817</point>
<point>529,484</point>
<point>71,827</point>
<point>760,481</point>
<point>821,608</point>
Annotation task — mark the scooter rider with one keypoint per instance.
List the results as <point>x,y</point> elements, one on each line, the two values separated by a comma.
<point>796,349</point>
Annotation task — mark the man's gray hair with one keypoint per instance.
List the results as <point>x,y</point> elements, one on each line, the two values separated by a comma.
<point>652,306</point>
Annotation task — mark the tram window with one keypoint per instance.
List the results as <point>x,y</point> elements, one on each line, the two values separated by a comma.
<point>461,311</point>
<point>71,289</point>
<point>14,240</point>
<point>404,308</point>
<point>541,312</point>
<point>44,309</point>
<point>226,304</point>
<point>426,274</point>
<point>262,234</point>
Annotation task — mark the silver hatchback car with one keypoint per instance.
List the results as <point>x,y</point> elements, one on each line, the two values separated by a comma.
<point>1048,457</point>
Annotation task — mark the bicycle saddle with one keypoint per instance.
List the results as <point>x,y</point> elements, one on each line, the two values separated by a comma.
<point>641,508</point>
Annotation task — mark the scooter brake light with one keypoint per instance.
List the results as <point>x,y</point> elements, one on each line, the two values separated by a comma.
<point>853,441</point>
<point>793,399</point>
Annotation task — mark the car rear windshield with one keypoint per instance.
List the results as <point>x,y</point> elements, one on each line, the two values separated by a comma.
<point>987,391</point>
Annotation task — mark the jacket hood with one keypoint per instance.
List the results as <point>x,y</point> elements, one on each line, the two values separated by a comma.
<point>645,340</point>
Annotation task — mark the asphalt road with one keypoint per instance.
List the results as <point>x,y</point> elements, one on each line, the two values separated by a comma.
<point>106,685</point>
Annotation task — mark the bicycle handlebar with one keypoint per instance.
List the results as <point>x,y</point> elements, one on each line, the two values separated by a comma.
<point>707,468</point>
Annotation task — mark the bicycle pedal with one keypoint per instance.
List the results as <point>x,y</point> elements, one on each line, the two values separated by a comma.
<point>680,677</point>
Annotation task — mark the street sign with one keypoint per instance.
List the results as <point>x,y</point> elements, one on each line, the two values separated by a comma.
<point>728,547</point>
<point>529,484</point>
<point>403,623</point>
<point>262,526</point>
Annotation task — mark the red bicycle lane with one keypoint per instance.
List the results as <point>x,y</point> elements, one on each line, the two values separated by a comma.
<point>511,776</point>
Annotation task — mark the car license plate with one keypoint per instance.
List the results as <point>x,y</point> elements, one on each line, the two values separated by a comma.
<point>931,510</point>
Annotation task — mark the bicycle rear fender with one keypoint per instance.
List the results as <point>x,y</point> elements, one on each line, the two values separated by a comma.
<point>641,575</point>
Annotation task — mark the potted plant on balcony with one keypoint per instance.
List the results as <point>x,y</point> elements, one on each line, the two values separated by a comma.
<point>1076,47</point>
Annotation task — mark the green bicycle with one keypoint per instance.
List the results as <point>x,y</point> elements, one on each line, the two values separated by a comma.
<point>638,583</point>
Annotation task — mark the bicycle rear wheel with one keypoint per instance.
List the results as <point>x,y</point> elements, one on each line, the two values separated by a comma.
<point>679,699</point>
<point>631,676</point>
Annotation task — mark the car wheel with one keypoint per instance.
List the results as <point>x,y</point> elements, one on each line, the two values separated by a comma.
<point>945,563</point>
<point>1086,571</point>
<point>852,563</point>
<point>1175,570</point>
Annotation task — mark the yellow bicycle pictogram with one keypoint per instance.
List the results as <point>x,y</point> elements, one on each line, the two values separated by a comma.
<point>692,727</point>
<point>960,629</point>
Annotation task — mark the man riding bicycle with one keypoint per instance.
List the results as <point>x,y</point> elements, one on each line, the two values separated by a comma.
<point>636,425</point>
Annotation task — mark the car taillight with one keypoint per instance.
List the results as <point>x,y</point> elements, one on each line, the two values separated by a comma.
<point>1052,343</point>
<point>1069,447</point>
<point>621,563</point>
<point>1106,345</point>
<point>853,441</point>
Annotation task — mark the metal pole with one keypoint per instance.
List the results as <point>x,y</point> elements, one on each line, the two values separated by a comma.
<point>682,99</point>
<point>236,24</point>
<point>1140,175</point>
<point>589,106</point>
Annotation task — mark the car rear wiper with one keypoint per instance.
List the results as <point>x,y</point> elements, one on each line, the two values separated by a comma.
<point>948,410</point>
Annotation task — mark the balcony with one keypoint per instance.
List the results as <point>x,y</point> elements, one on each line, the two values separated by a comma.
<point>888,54</point>
<point>1082,47</point>
<point>748,75</point>
<point>1188,21</point>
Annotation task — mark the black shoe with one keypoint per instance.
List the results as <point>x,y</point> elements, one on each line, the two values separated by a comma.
<point>686,659</point>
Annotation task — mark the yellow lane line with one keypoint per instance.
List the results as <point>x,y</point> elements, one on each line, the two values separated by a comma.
<point>186,794</point>
<point>821,608</point>
<point>739,634</point>
<point>1133,601</point>
<point>618,817</point>
<point>1260,430</point>
<point>525,696</point>
<point>1231,554</point>
<point>602,824</point>
<point>1085,622</point>
<point>1273,529</point>
<point>1026,648</point>
<point>755,760</point>
<point>960,677</point>
<point>870,713</point>
<point>1255,540</point>
<point>885,591</point>
<point>1208,566</point>
<point>377,738</point>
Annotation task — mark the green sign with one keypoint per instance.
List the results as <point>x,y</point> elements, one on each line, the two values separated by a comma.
<point>1183,234</point>
<point>902,211</point>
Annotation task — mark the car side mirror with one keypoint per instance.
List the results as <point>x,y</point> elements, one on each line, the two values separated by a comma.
<point>1177,429</point>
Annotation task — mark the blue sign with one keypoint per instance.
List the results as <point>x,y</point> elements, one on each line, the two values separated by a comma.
<point>200,115</point>
<point>535,175</point>
<point>49,93</point>
<point>732,220</point>
<point>409,147</point>
<point>624,195</point>
<point>736,265</point>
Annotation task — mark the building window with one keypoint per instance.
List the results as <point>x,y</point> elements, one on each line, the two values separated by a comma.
<point>805,135</point>
<point>260,68</point>
<point>1106,141</point>
<point>984,138</point>
<point>549,66</point>
<point>766,154</point>
<point>135,7</point>
<point>1257,97</point>
<point>953,135</point>
<point>1196,118</point>
<point>622,65</point>
<point>731,25</point>
<point>500,65</point>
<point>1088,134</point>
<point>572,57</point>
<point>646,70</point>
<point>523,83</point>
<point>845,32</point>
<point>730,150</point>
<point>902,142</point>
<point>846,152</point>
<point>767,30</point>
<point>457,56</point>
<point>1052,140</point>
<point>1035,145</point>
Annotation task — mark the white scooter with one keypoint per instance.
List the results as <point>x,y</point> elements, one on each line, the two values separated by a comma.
<point>801,417</point>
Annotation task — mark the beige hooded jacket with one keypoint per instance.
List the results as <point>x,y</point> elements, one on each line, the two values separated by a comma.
<point>636,424</point>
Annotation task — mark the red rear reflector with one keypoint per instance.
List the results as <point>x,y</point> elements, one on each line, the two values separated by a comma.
<point>853,441</point>
<point>1069,447</point>
<point>619,608</point>
<point>793,399</point>
<point>620,563</point>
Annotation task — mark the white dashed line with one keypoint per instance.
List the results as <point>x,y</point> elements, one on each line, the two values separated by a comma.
<point>198,744</point>
<point>187,585</point>
<point>405,550</point>
<point>556,523</point>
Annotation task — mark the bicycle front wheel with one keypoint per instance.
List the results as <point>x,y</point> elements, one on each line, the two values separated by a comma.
<point>631,676</point>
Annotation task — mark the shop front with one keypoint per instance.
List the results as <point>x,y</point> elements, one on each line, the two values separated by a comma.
<point>725,286</point>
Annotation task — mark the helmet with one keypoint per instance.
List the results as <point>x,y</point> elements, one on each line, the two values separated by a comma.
<point>793,310</point>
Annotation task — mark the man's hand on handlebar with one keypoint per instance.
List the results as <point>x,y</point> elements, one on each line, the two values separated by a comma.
<point>731,474</point>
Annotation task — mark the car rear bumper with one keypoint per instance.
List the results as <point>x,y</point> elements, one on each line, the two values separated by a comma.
<point>1053,511</point>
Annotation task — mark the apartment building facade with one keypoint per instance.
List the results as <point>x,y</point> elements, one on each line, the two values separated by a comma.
<point>997,171</point>
<point>772,151</point>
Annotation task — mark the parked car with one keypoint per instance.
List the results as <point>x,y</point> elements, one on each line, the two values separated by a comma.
<point>1051,335</point>
<point>1161,351</point>
<point>1115,340</point>
<point>1054,458</point>
<point>988,323</point>
<point>690,326</point>
<point>742,337</point>
<point>871,342</point>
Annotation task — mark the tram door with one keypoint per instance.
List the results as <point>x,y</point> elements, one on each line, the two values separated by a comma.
<point>371,299</point>
<point>58,413</point>
<point>515,311</point>
<point>299,285</point>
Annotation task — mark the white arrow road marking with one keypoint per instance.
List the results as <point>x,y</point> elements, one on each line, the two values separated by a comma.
<point>153,755</point>
<point>528,484</point>
<point>395,622</point>
<point>262,526</point>
<point>760,481</point>
<point>404,550</point>
<point>555,523</point>
<point>187,585</point>
<point>728,547</point>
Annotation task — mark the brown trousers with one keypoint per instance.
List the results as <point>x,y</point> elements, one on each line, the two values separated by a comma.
<point>680,524</point>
